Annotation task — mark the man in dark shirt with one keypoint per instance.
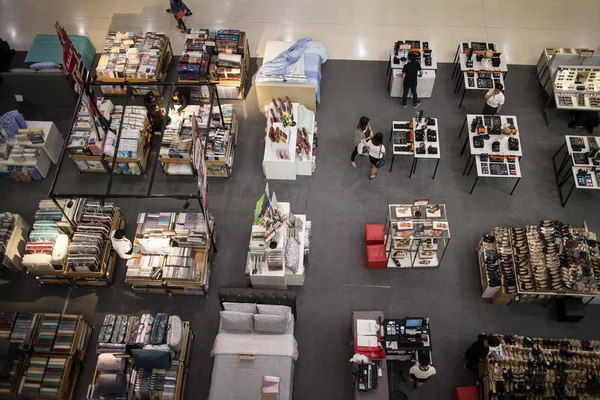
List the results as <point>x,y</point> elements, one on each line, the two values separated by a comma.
<point>479,350</point>
<point>411,70</point>
<point>181,97</point>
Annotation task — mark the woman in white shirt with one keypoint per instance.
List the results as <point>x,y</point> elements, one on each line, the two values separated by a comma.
<point>494,100</point>
<point>422,370</point>
<point>376,152</point>
<point>121,244</point>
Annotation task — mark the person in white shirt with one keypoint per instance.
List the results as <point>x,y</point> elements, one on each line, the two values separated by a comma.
<point>121,244</point>
<point>421,371</point>
<point>494,100</point>
<point>376,152</point>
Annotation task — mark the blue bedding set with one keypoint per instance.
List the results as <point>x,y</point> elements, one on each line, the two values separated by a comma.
<point>47,48</point>
<point>301,63</point>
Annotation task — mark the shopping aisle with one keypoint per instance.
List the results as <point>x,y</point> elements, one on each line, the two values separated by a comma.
<point>340,200</point>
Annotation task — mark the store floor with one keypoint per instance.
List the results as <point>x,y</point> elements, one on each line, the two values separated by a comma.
<point>339,200</point>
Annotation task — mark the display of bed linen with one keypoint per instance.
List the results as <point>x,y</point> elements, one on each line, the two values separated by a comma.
<point>43,376</point>
<point>23,328</point>
<point>46,334</point>
<point>156,383</point>
<point>301,63</point>
<point>11,122</point>
<point>131,55</point>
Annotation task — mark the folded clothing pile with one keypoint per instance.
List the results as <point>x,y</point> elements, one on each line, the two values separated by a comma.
<point>11,122</point>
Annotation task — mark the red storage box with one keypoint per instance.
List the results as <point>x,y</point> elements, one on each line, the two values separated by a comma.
<point>376,257</point>
<point>466,393</point>
<point>374,234</point>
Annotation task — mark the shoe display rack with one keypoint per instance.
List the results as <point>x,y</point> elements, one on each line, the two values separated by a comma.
<point>419,137</point>
<point>538,263</point>
<point>46,352</point>
<point>141,383</point>
<point>579,165</point>
<point>416,235</point>
<point>495,147</point>
<point>539,368</point>
<point>399,57</point>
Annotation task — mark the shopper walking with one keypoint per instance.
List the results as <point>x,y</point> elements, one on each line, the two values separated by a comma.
<point>121,244</point>
<point>479,351</point>
<point>494,100</point>
<point>421,371</point>
<point>410,71</point>
<point>179,10</point>
<point>376,153</point>
<point>363,131</point>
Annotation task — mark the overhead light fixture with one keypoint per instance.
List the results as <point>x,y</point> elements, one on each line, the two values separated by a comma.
<point>186,204</point>
<point>70,204</point>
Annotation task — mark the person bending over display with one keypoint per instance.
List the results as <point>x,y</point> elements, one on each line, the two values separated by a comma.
<point>494,100</point>
<point>181,97</point>
<point>363,132</point>
<point>480,351</point>
<point>121,244</point>
<point>410,71</point>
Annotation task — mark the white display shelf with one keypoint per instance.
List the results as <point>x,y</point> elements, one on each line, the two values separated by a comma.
<point>480,173</point>
<point>577,87</point>
<point>425,84</point>
<point>53,140</point>
<point>477,65</point>
<point>503,139</point>
<point>468,86</point>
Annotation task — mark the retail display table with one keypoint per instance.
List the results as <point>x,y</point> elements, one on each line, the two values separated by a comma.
<point>577,87</point>
<point>478,80</point>
<point>381,392</point>
<point>579,165</point>
<point>417,235</point>
<point>495,154</point>
<point>419,138</point>
<point>265,266</point>
<point>283,159</point>
<point>399,57</point>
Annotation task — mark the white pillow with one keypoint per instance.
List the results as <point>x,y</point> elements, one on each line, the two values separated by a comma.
<point>268,309</point>
<point>270,323</point>
<point>237,321</point>
<point>240,307</point>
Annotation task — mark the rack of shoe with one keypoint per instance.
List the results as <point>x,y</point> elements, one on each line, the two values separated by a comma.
<point>80,254</point>
<point>92,149</point>
<point>123,337</point>
<point>46,352</point>
<point>217,56</point>
<point>290,140</point>
<point>177,145</point>
<point>417,235</point>
<point>537,263</point>
<point>14,234</point>
<point>140,58</point>
<point>399,58</point>
<point>540,368</point>
<point>172,254</point>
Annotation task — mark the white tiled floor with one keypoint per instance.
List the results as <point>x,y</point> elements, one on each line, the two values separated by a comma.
<point>350,29</point>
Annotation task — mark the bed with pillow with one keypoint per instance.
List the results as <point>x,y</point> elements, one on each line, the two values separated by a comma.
<point>255,339</point>
<point>43,68</point>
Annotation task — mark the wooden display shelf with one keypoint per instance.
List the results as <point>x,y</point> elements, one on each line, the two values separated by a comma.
<point>54,277</point>
<point>15,247</point>
<point>11,393</point>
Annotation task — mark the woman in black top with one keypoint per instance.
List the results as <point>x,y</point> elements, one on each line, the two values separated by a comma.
<point>479,350</point>
<point>410,71</point>
<point>181,97</point>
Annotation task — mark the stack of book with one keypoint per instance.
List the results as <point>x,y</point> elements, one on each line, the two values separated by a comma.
<point>46,334</point>
<point>155,224</point>
<point>22,331</point>
<point>190,230</point>
<point>65,336</point>
<point>43,376</point>
<point>87,135</point>
<point>147,266</point>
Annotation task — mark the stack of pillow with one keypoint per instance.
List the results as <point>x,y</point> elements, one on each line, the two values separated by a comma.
<point>258,318</point>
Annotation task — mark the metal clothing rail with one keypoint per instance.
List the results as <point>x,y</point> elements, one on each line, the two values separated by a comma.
<point>107,194</point>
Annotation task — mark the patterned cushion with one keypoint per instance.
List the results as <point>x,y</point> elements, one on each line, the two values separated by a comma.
<point>175,333</point>
<point>45,65</point>
<point>237,321</point>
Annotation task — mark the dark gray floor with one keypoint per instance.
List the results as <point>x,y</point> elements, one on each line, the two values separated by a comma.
<point>340,200</point>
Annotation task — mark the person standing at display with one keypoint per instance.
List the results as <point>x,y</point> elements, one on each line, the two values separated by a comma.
<point>155,113</point>
<point>479,351</point>
<point>363,131</point>
<point>179,9</point>
<point>410,71</point>
<point>494,100</point>
<point>421,371</point>
<point>376,153</point>
<point>121,244</point>
<point>181,97</point>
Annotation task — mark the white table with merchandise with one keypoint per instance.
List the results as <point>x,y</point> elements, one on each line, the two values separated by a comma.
<point>496,155</point>
<point>577,88</point>
<point>417,138</point>
<point>283,160</point>
<point>581,163</point>
<point>257,270</point>
<point>425,83</point>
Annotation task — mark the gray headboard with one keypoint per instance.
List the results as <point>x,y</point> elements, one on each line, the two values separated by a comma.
<point>259,296</point>
<point>58,88</point>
